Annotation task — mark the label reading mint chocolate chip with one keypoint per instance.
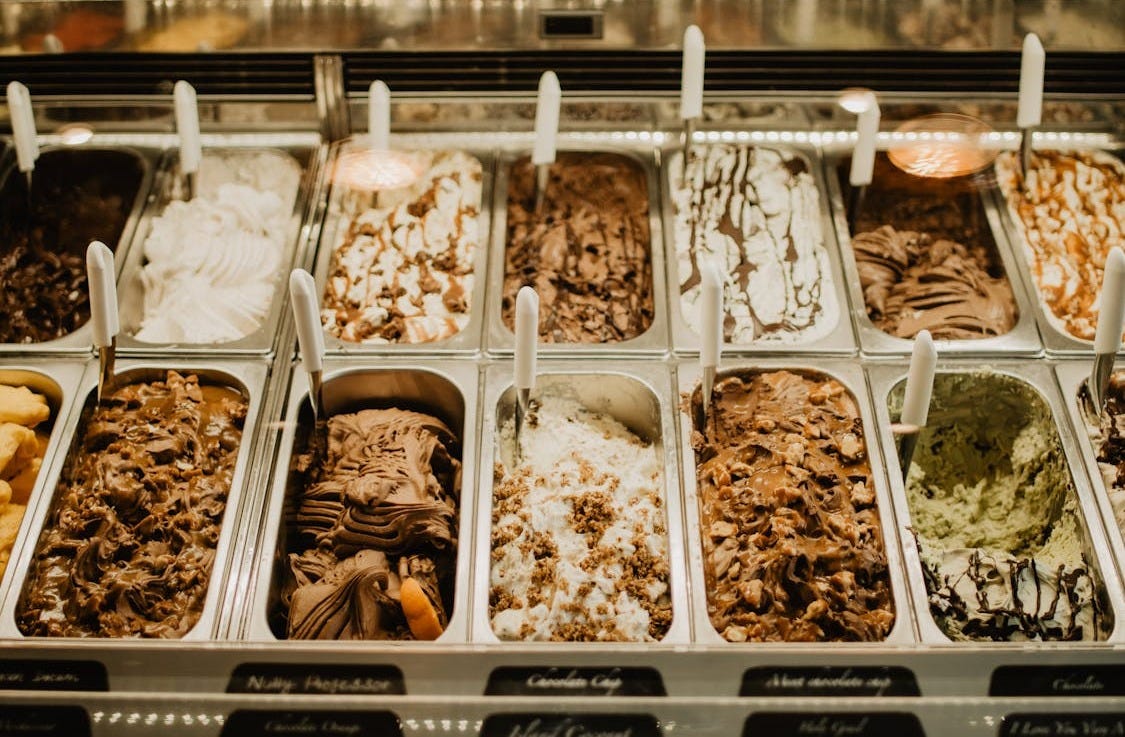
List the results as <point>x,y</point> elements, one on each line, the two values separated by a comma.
<point>841,724</point>
<point>53,675</point>
<point>567,681</point>
<point>262,723</point>
<point>284,678</point>
<point>1058,680</point>
<point>829,681</point>
<point>44,721</point>
<point>1064,725</point>
<point>570,725</point>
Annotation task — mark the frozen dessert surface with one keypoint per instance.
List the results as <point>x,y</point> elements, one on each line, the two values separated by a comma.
<point>995,515</point>
<point>78,195</point>
<point>1071,218</point>
<point>588,253</point>
<point>927,259</point>
<point>24,429</point>
<point>1108,435</point>
<point>212,263</point>
<point>579,537</point>
<point>403,269</point>
<point>756,211</point>
<point>373,552</point>
<point>128,547</point>
<point>792,540</point>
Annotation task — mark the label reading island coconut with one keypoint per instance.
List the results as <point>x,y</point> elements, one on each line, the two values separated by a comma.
<point>570,725</point>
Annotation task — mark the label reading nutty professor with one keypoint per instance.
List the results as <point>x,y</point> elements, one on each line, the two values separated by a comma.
<point>323,679</point>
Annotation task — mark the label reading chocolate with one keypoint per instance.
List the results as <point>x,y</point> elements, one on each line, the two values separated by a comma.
<point>841,724</point>
<point>260,723</point>
<point>53,675</point>
<point>567,681</point>
<point>1063,725</point>
<point>1058,680</point>
<point>829,681</point>
<point>570,725</point>
<point>44,721</point>
<point>344,680</point>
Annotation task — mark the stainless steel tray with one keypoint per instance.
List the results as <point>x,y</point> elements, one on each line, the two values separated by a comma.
<point>335,228</point>
<point>1056,341</point>
<point>1073,376</point>
<point>1022,339</point>
<point>498,338</point>
<point>58,381</point>
<point>883,378</point>
<point>303,147</point>
<point>851,376</point>
<point>448,389</point>
<point>635,393</point>
<point>142,147</point>
<point>840,338</point>
<point>246,376</point>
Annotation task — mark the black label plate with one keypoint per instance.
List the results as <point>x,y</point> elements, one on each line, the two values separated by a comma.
<point>840,724</point>
<point>44,721</point>
<point>1058,680</point>
<point>311,723</point>
<point>570,725</point>
<point>328,680</point>
<point>829,681</point>
<point>53,675</point>
<point>1064,725</point>
<point>568,681</point>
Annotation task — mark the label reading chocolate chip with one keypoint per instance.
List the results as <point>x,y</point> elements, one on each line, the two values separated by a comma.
<point>44,721</point>
<point>792,724</point>
<point>1063,725</point>
<point>567,681</point>
<point>570,725</point>
<point>1058,680</point>
<point>344,680</point>
<point>829,681</point>
<point>261,723</point>
<point>53,675</point>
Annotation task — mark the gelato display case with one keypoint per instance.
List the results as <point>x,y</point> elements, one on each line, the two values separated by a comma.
<point>400,543</point>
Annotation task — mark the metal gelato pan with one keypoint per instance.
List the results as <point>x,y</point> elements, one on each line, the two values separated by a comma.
<point>305,151</point>
<point>107,166</point>
<point>635,395</point>
<point>1073,377</point>
<point>244,377</point>
<point>887,381</point>
<point>499,337</point>
<point>349,219</point>
<point>828,329</point>
<point>825,576</point>
<point>57,381</point>
<point>1022,339</point>
<point>447,391</point>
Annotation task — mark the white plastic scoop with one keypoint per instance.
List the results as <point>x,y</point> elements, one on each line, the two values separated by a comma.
<point>379,116</point>
<point>527,349</point>
<point>1111,321</point>
<point>310,336</point>
<point>691,85</point>
<point>546,133</point>
<point>187,125</point>
<point>916,397</point>
<point>1030,113</point>
<point>863,156</point>
<point>103,311</point>
<point>23,129</point>
<point>711,332</point>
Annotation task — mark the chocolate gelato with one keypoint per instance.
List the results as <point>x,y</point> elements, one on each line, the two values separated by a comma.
<point>792,541</point>
<point>372,555</point>
<point>926,258</point>
<point>587,254</point>
<point>78,195</point>
<point>128,547</point>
